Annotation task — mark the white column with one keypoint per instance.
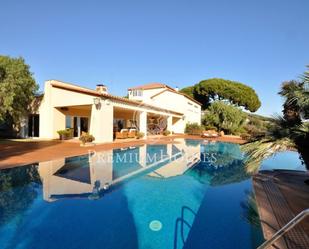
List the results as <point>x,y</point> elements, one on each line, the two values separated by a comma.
<point>179,126</point>
<point>143,123</point>
<point>51,121</point>
<point>169,123</point>
<point>101,123</point>
<point>59,121</point>
<point>47,114</point>
<point>143,155</point>
<point>78,126</point>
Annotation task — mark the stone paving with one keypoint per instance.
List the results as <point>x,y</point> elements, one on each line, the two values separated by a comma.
<point>21,152</point>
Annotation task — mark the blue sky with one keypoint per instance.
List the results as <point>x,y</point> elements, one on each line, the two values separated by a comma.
<point>126,43</point>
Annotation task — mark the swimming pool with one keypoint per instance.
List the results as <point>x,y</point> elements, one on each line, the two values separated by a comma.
<point>189,194</point>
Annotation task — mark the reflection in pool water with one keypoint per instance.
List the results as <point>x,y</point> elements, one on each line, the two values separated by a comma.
<point>166,202</point>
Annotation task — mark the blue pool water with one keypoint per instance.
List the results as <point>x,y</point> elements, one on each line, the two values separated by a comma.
<point>190,194</point>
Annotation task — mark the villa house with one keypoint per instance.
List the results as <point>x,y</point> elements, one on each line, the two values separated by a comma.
<point>150,108</point>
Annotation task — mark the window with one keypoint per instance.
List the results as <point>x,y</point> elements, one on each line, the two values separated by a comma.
<point>137,93</point>
<point>68,122</point>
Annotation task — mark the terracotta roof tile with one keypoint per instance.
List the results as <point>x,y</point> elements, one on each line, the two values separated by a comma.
<point>151,86</point>
<point>161,85</point>
<point>75,88</point>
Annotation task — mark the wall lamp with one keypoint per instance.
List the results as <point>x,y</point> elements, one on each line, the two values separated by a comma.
<point>97,103</point>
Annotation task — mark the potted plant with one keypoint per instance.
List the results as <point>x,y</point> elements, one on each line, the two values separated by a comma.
<point>194,129</point>
<point>166,133</point>
<point>65,134</point>
<point>140,135</point>
<point>86,139</point>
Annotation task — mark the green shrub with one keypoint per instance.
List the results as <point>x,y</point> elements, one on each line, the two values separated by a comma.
<point>86,138</point>
<point>225,117</point>
<point>193,129</point>
<point>257,126</point>
<point>65,134</point>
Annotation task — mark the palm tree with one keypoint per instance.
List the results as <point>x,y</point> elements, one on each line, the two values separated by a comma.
<point>290,132</point>
<point>277,139</point>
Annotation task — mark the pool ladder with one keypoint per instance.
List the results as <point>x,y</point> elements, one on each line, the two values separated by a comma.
<point>298,218</point>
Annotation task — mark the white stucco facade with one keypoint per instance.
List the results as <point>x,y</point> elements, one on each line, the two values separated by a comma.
<point>69,106</point>
<point>166,97</point>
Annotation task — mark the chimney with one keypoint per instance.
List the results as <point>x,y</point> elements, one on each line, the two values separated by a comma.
<point>101,88</point>
<point>176,89</point>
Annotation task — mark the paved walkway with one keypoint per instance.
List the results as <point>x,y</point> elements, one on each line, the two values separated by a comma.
<point>22,152</point>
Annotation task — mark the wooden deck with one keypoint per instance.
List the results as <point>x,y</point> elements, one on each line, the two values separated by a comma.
<point>280,196</point>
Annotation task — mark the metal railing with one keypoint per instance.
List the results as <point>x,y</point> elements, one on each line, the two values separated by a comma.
<point>298,218</point>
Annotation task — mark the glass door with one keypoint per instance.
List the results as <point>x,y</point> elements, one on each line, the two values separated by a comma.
<point>76,125</point>
<point>83,125</point>
<point>80,124</point>
<point>33,125</point>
